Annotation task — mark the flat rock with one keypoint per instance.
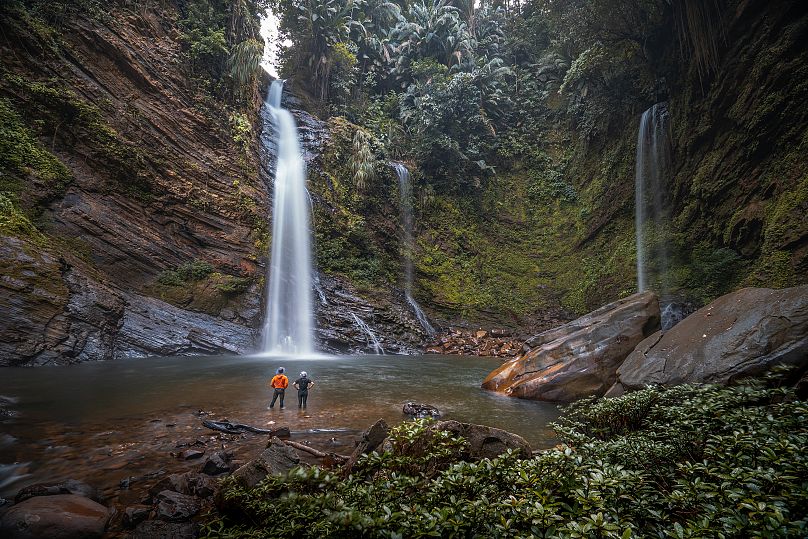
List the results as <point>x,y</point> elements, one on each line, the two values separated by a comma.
<point>738,335</point>
<point>581,357</point>
<point>59,516</point>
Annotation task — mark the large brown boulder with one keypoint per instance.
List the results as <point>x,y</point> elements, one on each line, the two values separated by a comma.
<point>60,516</point>
<point>741,334</point>
<point>580,358</point>
<point>277,459</point>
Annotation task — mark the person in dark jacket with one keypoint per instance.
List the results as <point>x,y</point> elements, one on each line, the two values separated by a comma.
<point>279,384</point>
<point>302,385</point>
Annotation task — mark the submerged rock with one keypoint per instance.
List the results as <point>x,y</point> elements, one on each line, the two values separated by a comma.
<point>420,411</point>
<point>61,516</point>
<point>580,358</point>
<point>740,334</point>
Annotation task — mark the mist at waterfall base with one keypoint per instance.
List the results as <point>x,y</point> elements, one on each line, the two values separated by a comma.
<point>405,202</point>
<point>102,422</point>
<point>653,166</point>
<point>289,322</point>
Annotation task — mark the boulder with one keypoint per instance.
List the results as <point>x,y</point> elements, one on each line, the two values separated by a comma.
<point>58,516</point>
<point>581,357</point>
<point>485,442</point>
<point>371,439</point>
<point>740,334</point>
<point>277,459</point>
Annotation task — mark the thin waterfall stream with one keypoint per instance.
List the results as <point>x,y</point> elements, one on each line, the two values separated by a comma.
<point>405,200</point>
<point>289,322</point>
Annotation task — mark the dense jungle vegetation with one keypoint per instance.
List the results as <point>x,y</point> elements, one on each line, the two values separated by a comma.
<point>518,120</point>
<point>681,462</point>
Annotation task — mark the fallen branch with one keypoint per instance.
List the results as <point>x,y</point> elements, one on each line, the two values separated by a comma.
<point>236,428</point>
<point>339,459</point>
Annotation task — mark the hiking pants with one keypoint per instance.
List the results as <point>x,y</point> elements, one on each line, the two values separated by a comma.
<point>302,395</point>
<point>279,392</point>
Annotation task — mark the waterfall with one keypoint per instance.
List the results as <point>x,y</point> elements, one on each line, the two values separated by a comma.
<point>405,198</point>
<point>650,182</point>
<point>289,321</point>
<point>377,346</point>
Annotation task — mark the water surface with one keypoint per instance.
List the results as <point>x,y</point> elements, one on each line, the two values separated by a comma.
<point>112,420</point>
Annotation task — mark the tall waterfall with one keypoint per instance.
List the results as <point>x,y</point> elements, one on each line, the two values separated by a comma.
<point>653,165</point>
<point>289,320</point>
<point>405,198</point>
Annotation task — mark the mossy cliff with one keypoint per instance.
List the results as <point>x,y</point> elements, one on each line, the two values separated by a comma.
<point>126,189</point>
<point>549,232</point>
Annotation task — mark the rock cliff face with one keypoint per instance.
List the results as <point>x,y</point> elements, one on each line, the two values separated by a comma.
<point>151,182</point>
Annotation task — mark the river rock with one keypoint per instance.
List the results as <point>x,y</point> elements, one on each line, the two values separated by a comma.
<point>174,506</point>
<point>191,454</point>
<point>217,463</point>
<point>71,486</point>
<point>189,483</point>
<point>277,459</point>
<point>60,516</point>
<point>419,411</point>
<point>740,334</point>
<point>135,514</point>
<point>580,358</point>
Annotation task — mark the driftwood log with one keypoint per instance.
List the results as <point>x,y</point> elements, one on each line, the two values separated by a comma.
<point>237,428</point>
<point>338,459</point>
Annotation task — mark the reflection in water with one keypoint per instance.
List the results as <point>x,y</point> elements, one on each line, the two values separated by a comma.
<point>114,420</point>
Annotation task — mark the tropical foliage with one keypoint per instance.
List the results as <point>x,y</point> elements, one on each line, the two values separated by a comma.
<point>690,461</point>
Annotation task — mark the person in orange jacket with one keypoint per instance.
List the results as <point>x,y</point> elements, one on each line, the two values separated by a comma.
<point>279,384</point>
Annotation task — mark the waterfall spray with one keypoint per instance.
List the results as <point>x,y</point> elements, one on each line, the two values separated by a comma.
<point>289,320</point>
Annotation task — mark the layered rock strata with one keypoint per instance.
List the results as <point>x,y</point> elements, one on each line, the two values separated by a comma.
<point>580,358</point>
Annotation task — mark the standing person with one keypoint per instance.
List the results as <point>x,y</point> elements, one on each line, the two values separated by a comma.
<point>302,385</point>
<point>279,384</point>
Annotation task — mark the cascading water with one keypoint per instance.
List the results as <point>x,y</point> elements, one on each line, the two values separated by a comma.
<point>651,183</point>
<point>372,339</point>
<point>653,161</point>
<point>289,322</point>
<point>405,198</point>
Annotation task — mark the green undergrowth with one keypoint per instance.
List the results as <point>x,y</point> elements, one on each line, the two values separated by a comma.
<point>689,461</point>
<point>195,285</point>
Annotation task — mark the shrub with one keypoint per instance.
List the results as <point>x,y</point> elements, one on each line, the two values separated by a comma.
<point>692,461</point>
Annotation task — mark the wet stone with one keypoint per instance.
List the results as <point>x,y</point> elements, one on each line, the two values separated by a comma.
<point>134,515</point>
<point>191,454</point>
<point>217,463</point>
<point>71,486</point>
<point>60,516</point>
<point>174,506</point>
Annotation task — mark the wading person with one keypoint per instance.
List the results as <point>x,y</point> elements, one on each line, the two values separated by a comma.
<point>302,385</point>
<point>279,384</point>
